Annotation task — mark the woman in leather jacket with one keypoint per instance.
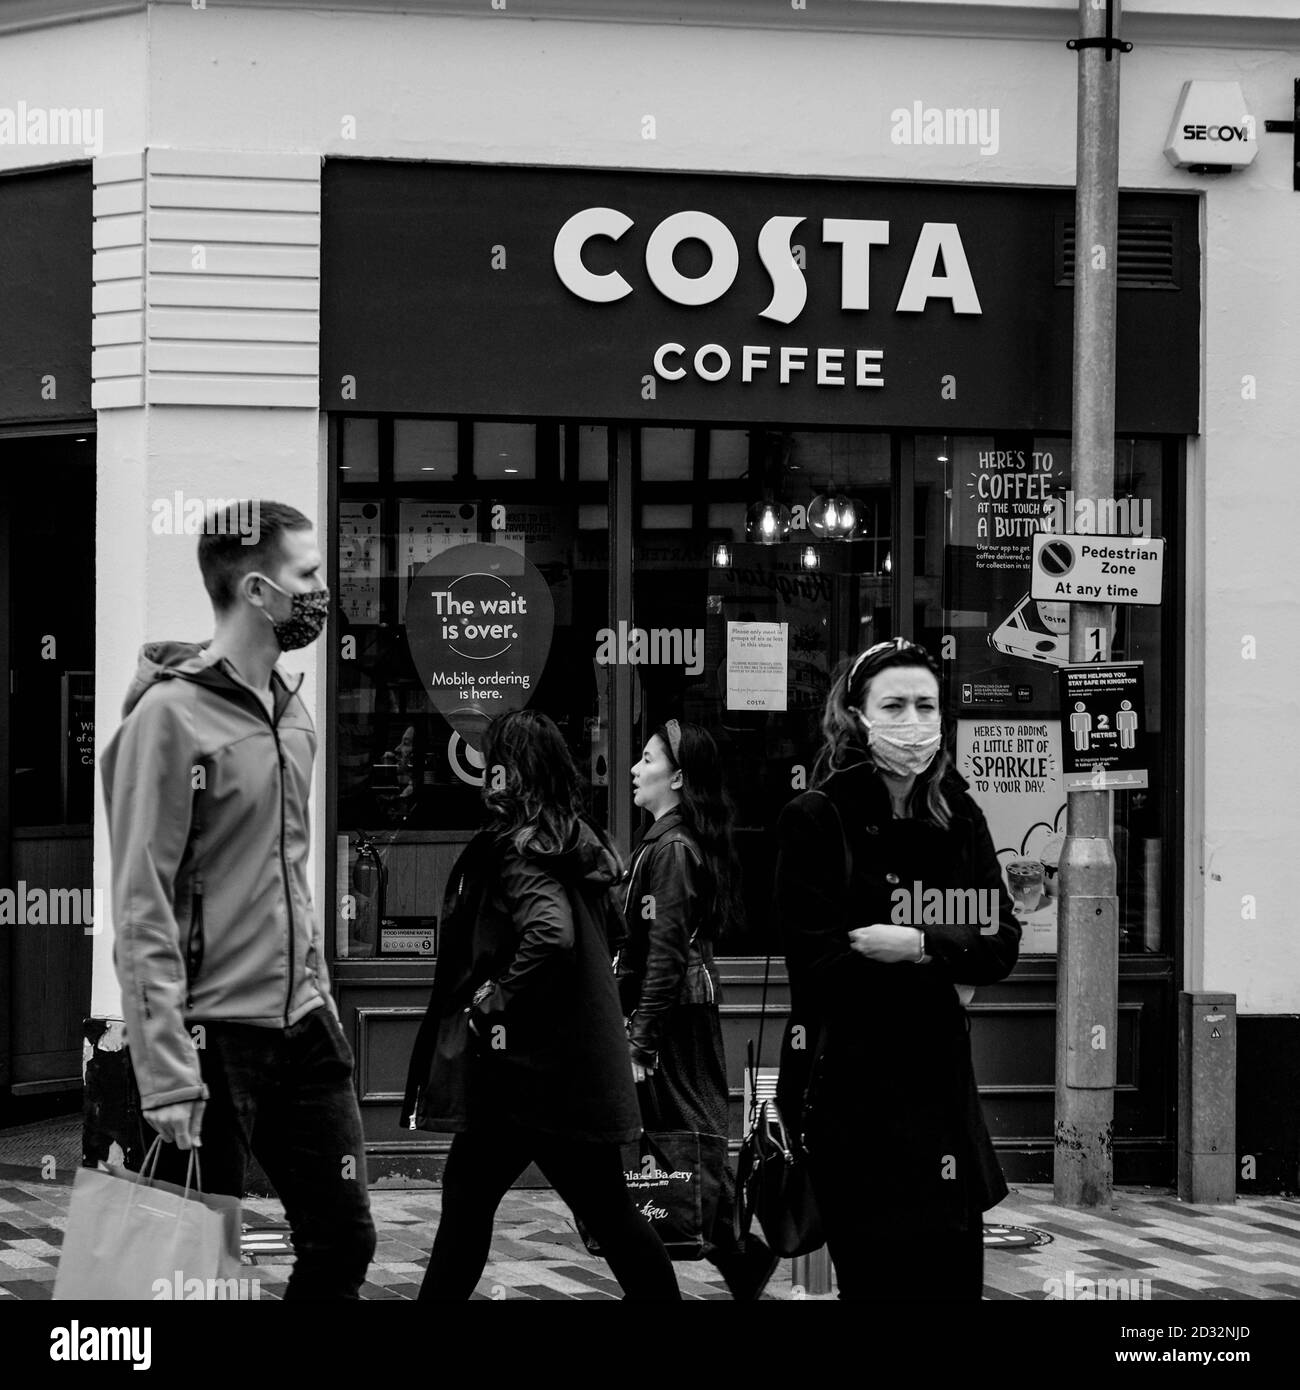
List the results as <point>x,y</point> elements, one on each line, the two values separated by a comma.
<point>681,894</point>
<point>895,1138</point>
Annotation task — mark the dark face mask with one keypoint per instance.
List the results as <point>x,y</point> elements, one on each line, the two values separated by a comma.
<point>306,620</point>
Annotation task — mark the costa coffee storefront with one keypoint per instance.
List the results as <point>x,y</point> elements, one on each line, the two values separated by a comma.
<point>623,446</point>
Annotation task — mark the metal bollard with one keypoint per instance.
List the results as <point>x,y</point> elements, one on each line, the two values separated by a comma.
<point>812,1273</point>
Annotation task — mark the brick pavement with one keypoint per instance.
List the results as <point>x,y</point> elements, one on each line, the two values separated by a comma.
<point>1247,1251</point>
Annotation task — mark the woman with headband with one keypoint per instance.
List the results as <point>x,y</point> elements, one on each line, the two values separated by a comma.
<point>681,894</point>
<point>901,1161</point>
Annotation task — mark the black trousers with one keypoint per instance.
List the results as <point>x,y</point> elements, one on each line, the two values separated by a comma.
<point>588,1176</point>
<point>879,1259</point>
<point>285,1095</point>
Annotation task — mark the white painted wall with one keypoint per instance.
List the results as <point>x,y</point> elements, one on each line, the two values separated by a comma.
<point>149,586</point>
<point>812,104</point>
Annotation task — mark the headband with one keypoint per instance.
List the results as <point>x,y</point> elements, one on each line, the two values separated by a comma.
<point>674,731</point>
<point>889,648</point>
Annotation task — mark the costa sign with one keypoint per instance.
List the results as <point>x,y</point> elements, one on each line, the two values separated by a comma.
<point>938,244</point>
<point>598,295</point>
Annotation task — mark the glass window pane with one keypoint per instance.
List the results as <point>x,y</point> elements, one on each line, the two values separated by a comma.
<point>360,450</point>
<point>666,516</point>
<point>979,502</point>
<point>667,456</point>
<point>702,605</point>
<point>424,451</point>
<point>409,776</point>
<point>728,453</point>
<point>593,453</point>
<point>505,452</point>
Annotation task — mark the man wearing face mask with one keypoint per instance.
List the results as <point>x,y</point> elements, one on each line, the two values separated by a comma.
<point>892,905</point>
<point>233,1033</point>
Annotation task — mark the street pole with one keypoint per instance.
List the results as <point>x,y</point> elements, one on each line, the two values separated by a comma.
<point>1088,939</point>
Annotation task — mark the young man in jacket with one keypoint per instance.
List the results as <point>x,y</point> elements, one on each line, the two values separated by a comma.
<point>233,1034</point>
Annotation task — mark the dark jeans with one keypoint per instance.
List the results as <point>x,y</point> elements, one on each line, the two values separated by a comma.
<point>876,1261</point>
<point>482,1164</point>
<point>285,1095</point>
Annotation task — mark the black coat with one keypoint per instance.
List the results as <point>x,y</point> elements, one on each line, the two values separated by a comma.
<point>894,1087</point>
<point>551,1052</point>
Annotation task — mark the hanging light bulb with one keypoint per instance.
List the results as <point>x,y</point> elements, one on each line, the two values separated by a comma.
<point>889,562</point>
<point>767,522</point>
<point>722,556</point>
<point>823,518</point>
<point>810,559</point>
<point>846,516</point>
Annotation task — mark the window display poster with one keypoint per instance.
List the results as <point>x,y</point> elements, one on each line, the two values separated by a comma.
<point>479,625</point>
<point>1016,778</point>
<point>360,561</point>
<point>426,529</point>
<point>1008,645</point>
<point>758,664</point>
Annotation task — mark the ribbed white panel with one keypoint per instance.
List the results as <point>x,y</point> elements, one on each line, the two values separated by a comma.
<point>207,279</point>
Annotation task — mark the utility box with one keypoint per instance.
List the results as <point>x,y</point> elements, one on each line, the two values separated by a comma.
<point>1207,1097</point>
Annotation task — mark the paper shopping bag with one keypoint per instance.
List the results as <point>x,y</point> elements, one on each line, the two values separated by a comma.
<point>130,1238</point>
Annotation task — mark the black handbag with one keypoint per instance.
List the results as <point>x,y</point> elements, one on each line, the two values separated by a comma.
<point>773,1182</point>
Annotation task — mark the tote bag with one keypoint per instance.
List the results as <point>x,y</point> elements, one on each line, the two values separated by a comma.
<point>675,1178</point>
<point>130,1237</point>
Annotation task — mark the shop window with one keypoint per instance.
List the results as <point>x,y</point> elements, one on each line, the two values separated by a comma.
<point>408,767</point>
<point>1004,650</point>
<point>425,451</point>
<point>808,598</point>
<point>48,491</point>
<point>593,452</point>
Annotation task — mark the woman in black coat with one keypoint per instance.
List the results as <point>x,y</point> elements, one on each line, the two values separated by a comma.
<point>892,905</point>
<point>522,1055</point>
<point>680,896</point>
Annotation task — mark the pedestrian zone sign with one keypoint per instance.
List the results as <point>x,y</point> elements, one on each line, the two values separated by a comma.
<point>1103,739</point>
<point>1096,569</point>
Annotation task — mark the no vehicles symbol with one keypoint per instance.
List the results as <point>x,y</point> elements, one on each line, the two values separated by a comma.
<point>1057,558</point>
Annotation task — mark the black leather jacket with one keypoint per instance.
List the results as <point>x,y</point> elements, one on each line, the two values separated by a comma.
<point>668,958</point>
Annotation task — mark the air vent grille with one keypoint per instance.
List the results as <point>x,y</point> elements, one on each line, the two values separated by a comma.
<point>1149,256</point>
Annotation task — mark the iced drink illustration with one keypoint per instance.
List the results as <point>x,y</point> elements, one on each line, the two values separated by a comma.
<point>1025,880</point>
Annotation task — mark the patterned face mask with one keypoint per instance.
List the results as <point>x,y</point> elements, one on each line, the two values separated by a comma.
<point>903,750</point>
<point>306,620</point>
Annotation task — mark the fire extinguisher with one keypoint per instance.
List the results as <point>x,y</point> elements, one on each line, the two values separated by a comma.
<point>369,890</point>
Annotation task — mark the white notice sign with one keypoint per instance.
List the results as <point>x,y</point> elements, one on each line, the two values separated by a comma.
<point>1096,569</point>
<point>758,665</point>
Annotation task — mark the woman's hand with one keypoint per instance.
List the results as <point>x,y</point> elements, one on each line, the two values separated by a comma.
<point>887,943</point>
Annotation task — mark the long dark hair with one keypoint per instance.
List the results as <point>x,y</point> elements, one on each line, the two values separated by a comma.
<point>709,815</point>
<point>844,740</point>
<point>533,792</point>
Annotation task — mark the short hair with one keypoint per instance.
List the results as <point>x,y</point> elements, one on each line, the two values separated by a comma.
<point>225,555</point>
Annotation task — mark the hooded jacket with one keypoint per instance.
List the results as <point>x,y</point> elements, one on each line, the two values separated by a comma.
<point>526,948</point>
<point>207,796</point>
